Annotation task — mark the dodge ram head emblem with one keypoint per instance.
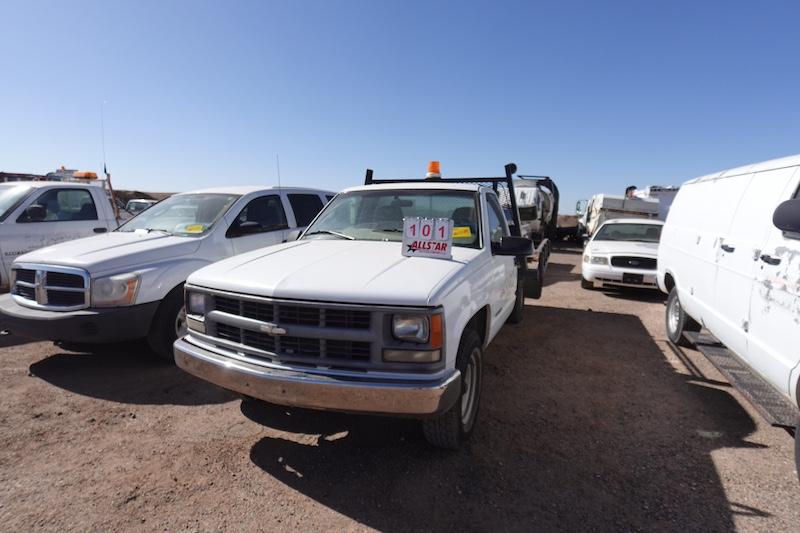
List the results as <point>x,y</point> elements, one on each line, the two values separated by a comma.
<point>272,329</point>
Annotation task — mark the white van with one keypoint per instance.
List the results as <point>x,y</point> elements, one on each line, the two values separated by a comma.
<point>730,260</point>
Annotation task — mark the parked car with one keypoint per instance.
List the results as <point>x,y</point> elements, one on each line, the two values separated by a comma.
<point>348,318</point>
<point>602,207</point>
<point>137,205</point>
<point>128,284</point>
<point>730,261</point>
<point>622,253</point>
<point>35,214</point>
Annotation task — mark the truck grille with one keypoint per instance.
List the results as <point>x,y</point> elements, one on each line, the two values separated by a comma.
<point>626,261</point>
<point>320,337</point>
<point>50,287</point>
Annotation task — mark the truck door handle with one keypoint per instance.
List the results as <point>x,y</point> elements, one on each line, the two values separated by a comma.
<point>770,260</point>
<point>727,248</point>
<point>100,230</point>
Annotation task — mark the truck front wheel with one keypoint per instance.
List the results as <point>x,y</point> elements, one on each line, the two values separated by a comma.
<point>677,321</point>
<point>519,301</point>
<point>455,426</point>
<point>168,324</point>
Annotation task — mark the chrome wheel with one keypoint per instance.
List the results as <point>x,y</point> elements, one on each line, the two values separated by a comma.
<point>674,315</point>
<point>468,396</point>
<point>181,328</point>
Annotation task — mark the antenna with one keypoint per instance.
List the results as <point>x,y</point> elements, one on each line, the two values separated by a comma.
<point>103,135</point>
<point>278,164</point>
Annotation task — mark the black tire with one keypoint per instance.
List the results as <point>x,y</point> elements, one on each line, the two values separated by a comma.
<point>454,427</point>
<point>519,303</point>
<point>585,284</point>
<point>676,320</point>
<point>163,331</point>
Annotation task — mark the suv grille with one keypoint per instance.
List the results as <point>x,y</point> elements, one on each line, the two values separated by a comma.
<point>51,287</point>
<point>642,263</point>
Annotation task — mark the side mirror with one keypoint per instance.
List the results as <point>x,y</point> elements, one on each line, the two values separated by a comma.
<point>244,228</point>
<point>35,213</point>
<point>513,246</point>
<point>293,235</point>
<point>787,216</point>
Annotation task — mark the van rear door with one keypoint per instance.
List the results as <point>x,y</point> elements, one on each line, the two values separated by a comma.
<point>774,334</point>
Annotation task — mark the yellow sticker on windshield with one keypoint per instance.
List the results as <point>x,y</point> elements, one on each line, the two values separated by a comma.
<point>462,232</point>
<point>195,228</point>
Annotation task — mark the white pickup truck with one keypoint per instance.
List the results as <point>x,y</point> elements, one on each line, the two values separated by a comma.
<point>128,284</point>
<point>35,214</point>
<point>342,319</point>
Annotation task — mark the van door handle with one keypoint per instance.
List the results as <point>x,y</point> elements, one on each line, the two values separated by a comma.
<point>770,260</point>
<point>727,248</point>
<point>100,230</point>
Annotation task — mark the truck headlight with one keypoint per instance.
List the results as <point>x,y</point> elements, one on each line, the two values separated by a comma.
<point>599,260</point>
<point>195,303</point>
<point>412,328</point>
<point>115,291</point>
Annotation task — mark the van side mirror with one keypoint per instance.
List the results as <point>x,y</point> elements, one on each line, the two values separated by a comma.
<point>35,213</point>
<point>509,245</point>
<point>787,216</point>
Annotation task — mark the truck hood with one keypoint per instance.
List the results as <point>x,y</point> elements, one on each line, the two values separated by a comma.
<point>366,272</point>
<point>644,249</point>
<point>115,251</point>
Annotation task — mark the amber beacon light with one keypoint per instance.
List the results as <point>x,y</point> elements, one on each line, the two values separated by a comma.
<point>433,171</point>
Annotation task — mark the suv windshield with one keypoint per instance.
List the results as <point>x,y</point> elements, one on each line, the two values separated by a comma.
<point>10,196</point>
<point>378,215</point>
<point>629,232</point>
<point>183,214</point>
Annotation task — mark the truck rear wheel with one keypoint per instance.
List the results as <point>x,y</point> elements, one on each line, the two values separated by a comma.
<point>168,324</point>
<point>677,321</point>
<point>455,426</point>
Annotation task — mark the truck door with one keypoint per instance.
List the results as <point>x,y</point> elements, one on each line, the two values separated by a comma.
<point>503,284</point>
<point>774,331</point>
<point>737,250</point>
<point>52,216</point>
<point>262,222</point>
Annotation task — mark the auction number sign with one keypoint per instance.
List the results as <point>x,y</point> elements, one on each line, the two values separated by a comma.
<point>428,237</point>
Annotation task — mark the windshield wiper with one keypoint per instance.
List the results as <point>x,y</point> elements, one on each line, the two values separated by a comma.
<point>391,230</point>
<point>329,232</point>
<point>150,230</point>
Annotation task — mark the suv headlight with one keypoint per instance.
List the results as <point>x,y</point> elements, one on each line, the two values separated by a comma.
<point>599,260</point>
<point>115,291</point>
<point>411,328</point>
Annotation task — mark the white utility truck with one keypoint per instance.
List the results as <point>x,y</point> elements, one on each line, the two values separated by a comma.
<point>34,214</point>
<point>384,305</point>
<point>732,265</point>
<point>128,284</point>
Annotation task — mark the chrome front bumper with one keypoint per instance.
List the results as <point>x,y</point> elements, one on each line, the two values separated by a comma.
<point>298,389</point>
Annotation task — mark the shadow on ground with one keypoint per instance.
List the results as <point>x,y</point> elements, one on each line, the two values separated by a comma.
<point>589,430</point>
<point>127,373</point>
<point>560,272</point>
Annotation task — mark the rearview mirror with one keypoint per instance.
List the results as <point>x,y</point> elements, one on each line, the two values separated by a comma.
<point>513,246</point>
<point>35,213</point>
<point>787,216</point>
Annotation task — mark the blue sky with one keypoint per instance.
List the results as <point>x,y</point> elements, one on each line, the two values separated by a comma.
<point>599,95</point>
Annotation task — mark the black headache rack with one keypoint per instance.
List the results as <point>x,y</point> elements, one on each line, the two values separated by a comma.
<point>503,187</point>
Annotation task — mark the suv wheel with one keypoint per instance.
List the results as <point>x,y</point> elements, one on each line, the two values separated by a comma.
<point>677,321</point>
<point>455,426</point>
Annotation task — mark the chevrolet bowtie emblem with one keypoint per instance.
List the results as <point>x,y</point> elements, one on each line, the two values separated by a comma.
<point>272,329</point>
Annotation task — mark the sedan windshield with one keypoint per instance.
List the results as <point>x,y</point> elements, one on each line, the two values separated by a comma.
<point>378,215</point>
<point>629,232</point>
<point>183,214</point>
<point>10,196</point>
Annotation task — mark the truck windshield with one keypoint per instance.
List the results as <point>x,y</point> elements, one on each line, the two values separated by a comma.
<point>378,215</point>
<point>10,197</point>
<point>188,215</point>
<point>629,232</point>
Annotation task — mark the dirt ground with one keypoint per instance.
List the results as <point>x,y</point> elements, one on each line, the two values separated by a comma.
<point>589,421</point>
